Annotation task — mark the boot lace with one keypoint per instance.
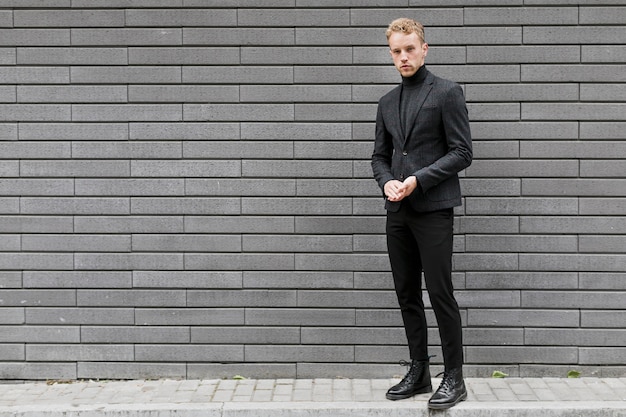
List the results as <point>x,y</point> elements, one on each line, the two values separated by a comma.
<point>446,383</point>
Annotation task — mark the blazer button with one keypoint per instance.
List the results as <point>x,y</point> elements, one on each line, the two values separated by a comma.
<point>405,153</point>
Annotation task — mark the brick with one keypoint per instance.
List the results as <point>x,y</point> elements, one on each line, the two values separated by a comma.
<point>8,94</point>
<point>183,56</point>
<point>71,94</point>
<point>82,243</point>
<point>521,92</point>
<point>40,334</point>
<point>34,150</point>
<point>490,187</point>
<point>183,93</point>
<point>239,224</point>
<point>353,336</point>
<point>198,168</point>
<point>603,319</point>
<point>599,206</point>
<point>298,206</point>
<point>76,279</point>
<point>522,54</point>
<point>241,298</point>
<point>333,150</point>
<point>599,168</point>
<point>188,353</point>
<point>296,131</point>
<point>295,93</point>
<point>8,131</point>
<point>296,243</point>
<point>605,92</point>
<point>495,149</point>
<point>523,318</point>
<point>574,337</point>
<point>494,112</point>
<point>59,206</point>
<point>125,75</point>
<point>66,18</point>
<point>245,335</point>
<point>38,298</point>
<point>342,262</point>
<point>574,187</point>
<point>600,262</point>
<point>73,353</point>
<point>522,280</point>
<point>602,244</point>
<point>381,17</point>
<point>605,53</point>
<point>238,36</point>
<point>320,55</point>
<point>36,224</point>
<point>127,112</point>
<point>127,37</point>
<point>517,354</point>
<point>300,353</point>
<point>9,169</point>
<point>525,243</point>
<point>140,335</point>
<point>345,75</point>
<point>567,149</point>
<point>134,298</point>
<point>578,225</point>
<point>186,243</point>
<point>565,299</point>
<point>129,187</point>
<point>293,279</point>
<point>239,149</point>
<point>575,35</point>
<point>524,130</point>
<point>602,15</point>
<point>12,352</point>
<point>347,299</point>
<point>11,279</point>
<point>123,261</point>
<point>293,17</point>
<point>485,262</point>
<point>34,37</point>
<point>72,56</point>
<point>236,262</point>
<point>36,112</point>
<point>523,168</point>
<point>125,150</point>
<point>189,206</point>
<point>125,370</point>
<point>576,73</point>
<point>181,17</point>
<point>493,337</point>
<point>12,315</point>
<point>188,131</point>
<point>244,75</point>
<point>521,16</point>
<point>609,356</point>
<point>602,281</point>
<point>300,317</point>
<point>238,112</point>
<point>296,168</point>
<point>334,112</point>
<point>186,279</point>
<point>188,317</point>
<point>334,224</point>
<point>73,131</point>
<point>38,371</point>
<point>74,168</point>
<point>8,56</point>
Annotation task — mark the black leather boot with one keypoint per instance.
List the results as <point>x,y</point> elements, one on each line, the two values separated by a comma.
<point>451,391</point>
<point>416,381</point>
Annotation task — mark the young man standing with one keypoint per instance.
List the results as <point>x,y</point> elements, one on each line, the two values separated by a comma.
<point>422,141</point>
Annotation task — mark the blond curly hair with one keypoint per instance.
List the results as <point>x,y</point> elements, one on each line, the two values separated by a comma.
<point>406,26</point>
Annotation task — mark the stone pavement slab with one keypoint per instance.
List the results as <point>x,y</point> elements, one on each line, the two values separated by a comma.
<point>519,397</point>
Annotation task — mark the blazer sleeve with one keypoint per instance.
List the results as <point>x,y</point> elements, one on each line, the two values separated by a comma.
<point>383,151</point>
<point>458,138</point>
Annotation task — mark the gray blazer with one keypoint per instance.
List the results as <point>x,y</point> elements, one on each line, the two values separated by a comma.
<point>434,150</point>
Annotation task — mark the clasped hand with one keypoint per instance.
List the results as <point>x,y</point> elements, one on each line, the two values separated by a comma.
<point>398,190</point>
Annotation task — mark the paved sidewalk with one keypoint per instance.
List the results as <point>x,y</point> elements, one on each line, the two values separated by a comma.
<point>488,397</point>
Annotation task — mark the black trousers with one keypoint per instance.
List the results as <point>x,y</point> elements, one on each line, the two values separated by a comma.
<point>422,242</point>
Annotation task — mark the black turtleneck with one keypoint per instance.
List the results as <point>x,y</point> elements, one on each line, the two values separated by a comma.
<point>408,97</point>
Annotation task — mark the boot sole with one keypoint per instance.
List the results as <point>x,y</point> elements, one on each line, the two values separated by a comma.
<point>424,390</point>
<point>445,406</point>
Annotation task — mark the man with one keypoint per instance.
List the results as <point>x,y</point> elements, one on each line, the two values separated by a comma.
<point>422,141</point>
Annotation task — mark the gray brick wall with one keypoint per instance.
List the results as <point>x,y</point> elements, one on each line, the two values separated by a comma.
<point>185,187</point>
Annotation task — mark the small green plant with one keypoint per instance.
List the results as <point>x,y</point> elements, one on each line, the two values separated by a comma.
<point>573,374</point>
<point>239,377</point>
<point>499,374</point>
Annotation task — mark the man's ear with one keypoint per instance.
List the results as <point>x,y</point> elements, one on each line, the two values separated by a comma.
<point>425,48</point>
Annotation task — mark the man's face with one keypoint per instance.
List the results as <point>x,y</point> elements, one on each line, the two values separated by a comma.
<point>408,52</point>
